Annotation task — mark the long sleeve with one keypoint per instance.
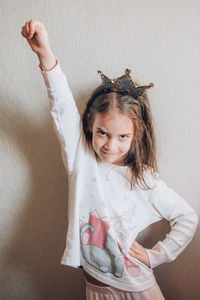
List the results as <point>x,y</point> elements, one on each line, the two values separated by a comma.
<point>183,221</point>
<point>66,118</point>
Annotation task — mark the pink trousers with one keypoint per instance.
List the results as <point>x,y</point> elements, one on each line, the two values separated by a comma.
<point>94,292</point>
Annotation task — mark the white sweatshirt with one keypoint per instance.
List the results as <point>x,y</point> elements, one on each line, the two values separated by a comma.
<point>104,214</point>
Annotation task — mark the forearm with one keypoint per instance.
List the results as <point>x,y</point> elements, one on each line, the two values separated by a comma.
<point>64,112</point>
<point>175,242</point>
<point>47,60</point>
<point>157,256</point>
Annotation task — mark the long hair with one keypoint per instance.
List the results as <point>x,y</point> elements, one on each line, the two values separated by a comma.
<point>142,152</point>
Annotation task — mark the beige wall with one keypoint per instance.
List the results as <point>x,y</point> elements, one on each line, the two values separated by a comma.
<point>159,42</point>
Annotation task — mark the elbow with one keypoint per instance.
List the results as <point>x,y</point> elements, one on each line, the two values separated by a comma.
<point>194,220</point>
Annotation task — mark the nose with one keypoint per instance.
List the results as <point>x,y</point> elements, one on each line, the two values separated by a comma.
<point>110,145</point>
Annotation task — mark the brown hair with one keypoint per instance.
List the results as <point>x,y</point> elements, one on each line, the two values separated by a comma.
<point>142,153</point>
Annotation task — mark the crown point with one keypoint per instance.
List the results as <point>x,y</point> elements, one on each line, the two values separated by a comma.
<point>127,71</point>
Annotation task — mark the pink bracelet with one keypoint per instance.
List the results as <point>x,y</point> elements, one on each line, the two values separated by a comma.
<point>49,69</point>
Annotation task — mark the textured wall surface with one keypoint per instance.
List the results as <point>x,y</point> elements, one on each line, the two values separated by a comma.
<point>159,42</point>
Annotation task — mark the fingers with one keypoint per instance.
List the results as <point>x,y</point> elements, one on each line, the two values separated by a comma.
<point>137,248</point>
<point>136,255</point>
<point>32,27</point>
<point>25,31</point>
<point>139,252</point>
<point>28,29</point>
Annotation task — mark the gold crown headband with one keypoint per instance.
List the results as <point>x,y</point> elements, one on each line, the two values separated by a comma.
<point>123,85</point>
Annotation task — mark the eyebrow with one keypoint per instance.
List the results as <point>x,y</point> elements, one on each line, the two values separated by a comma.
<point>128,134</point>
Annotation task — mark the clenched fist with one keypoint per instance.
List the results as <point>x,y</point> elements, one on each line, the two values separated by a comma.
<point>37,37</point>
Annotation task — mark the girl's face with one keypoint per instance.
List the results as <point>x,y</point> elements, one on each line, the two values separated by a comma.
<point>112,134</point>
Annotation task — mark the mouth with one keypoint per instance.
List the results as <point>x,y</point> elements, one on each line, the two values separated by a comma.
<point>108,153</point>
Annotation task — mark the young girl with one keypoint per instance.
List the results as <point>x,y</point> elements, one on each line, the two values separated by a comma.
<point>114,188</point>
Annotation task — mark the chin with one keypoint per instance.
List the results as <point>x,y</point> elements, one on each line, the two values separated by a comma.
<point>116,161</point>
<point>108,160</point>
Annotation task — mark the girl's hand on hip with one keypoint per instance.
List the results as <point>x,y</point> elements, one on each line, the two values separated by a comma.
<point>139,252</point>
<point>37,36</point>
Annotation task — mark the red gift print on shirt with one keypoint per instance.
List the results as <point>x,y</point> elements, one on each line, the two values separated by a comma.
<point>98,247</point>
<point>101,228</point>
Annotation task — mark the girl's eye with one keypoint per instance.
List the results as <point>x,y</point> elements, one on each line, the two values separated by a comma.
<point>102,133</point>
<point>123,137</point>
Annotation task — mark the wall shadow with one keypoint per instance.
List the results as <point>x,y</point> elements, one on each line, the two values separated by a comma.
<point>31,259</point>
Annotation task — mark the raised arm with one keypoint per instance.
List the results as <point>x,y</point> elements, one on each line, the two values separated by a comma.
<point>66,118</point>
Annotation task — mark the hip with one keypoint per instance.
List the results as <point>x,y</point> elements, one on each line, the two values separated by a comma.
<point>97,292</point>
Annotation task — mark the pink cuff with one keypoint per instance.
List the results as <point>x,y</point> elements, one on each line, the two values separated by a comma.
<point>157,256</point>
<point>54,77</point>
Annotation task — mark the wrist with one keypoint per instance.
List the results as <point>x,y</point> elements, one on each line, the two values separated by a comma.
<point>43,51</point>
<point>47,59</point>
